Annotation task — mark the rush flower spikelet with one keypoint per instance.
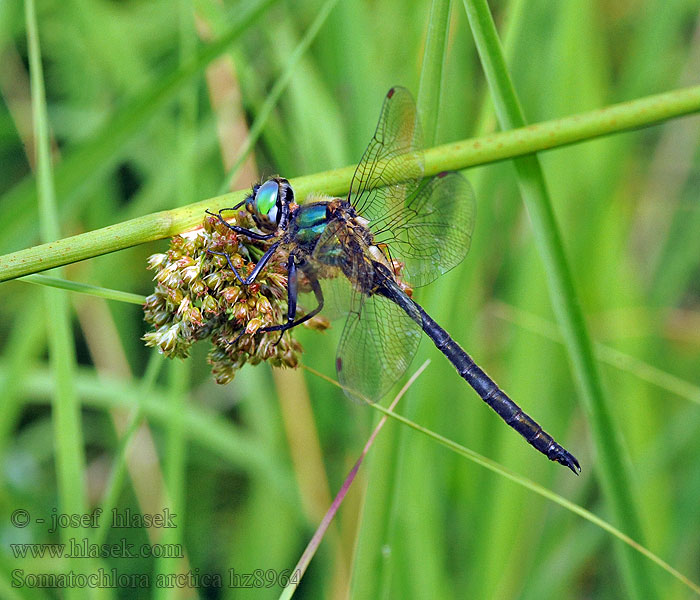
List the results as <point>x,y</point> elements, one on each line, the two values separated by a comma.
<point>197,296</point>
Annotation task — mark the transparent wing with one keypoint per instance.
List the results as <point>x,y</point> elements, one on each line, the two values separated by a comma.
<point>432,231</point>
<point>427,224</point>
<point>377,346</point>
<point>337,296</point>
<point>393,153</point>
<point>340,250</point>
<point>379,339</point>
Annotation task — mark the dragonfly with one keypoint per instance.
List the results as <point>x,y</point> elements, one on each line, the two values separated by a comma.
<point>396,230</point>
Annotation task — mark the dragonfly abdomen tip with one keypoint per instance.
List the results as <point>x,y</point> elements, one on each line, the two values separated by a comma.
<point>569,460</point>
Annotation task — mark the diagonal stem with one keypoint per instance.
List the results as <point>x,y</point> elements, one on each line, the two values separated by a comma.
<point>457,155</point>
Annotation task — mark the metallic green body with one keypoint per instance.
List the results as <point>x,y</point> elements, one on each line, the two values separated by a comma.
<point>310,222</point>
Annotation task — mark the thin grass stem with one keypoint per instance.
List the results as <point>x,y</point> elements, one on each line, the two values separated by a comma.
<point>525,140</point>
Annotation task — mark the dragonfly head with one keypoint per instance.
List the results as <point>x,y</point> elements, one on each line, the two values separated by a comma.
<point>269,204</point>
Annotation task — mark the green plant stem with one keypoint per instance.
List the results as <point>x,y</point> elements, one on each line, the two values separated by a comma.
<point>214,434</point>
<point>84,288</point>
<point>431,81</point>
<point>176,448</point>
<point>455,156</point>
<point>611,468</point>
<point>66,418</point>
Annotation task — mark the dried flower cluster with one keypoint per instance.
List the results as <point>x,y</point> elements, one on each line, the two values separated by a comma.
<point>197,296</point>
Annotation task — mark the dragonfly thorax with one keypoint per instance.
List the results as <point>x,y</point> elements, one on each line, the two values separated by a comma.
<point>352,228</point>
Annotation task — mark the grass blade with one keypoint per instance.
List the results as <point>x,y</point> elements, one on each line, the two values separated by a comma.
<point>434,57</point>
<point>66,416</point>
<point>310,551</point>
<point>84,288</point>
<point>621,360</point>
<point>614,472</point>
<point>526,483</point>
<point>630,543</point>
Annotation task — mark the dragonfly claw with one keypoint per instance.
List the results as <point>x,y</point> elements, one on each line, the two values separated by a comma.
<point>568,460</point>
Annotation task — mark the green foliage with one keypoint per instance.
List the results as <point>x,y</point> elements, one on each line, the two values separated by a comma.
<point>135,125</point>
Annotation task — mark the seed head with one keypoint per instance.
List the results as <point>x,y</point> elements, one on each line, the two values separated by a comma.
<point>197,296</point>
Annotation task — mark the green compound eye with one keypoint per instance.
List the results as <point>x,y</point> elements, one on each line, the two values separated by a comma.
<point>266,197</point>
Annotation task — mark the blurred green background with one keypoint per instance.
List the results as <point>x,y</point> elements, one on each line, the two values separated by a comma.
<point>251,467</point>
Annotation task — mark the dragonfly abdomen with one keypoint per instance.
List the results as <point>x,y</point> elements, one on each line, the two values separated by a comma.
<point>510,412</point>
<point>486,387</point>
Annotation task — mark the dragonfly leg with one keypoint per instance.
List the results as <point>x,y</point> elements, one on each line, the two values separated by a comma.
<point>242,230</point>
<point>256,271</point>
<point>234,341</point>
<point>292,301</point>
<point>292,291</point>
